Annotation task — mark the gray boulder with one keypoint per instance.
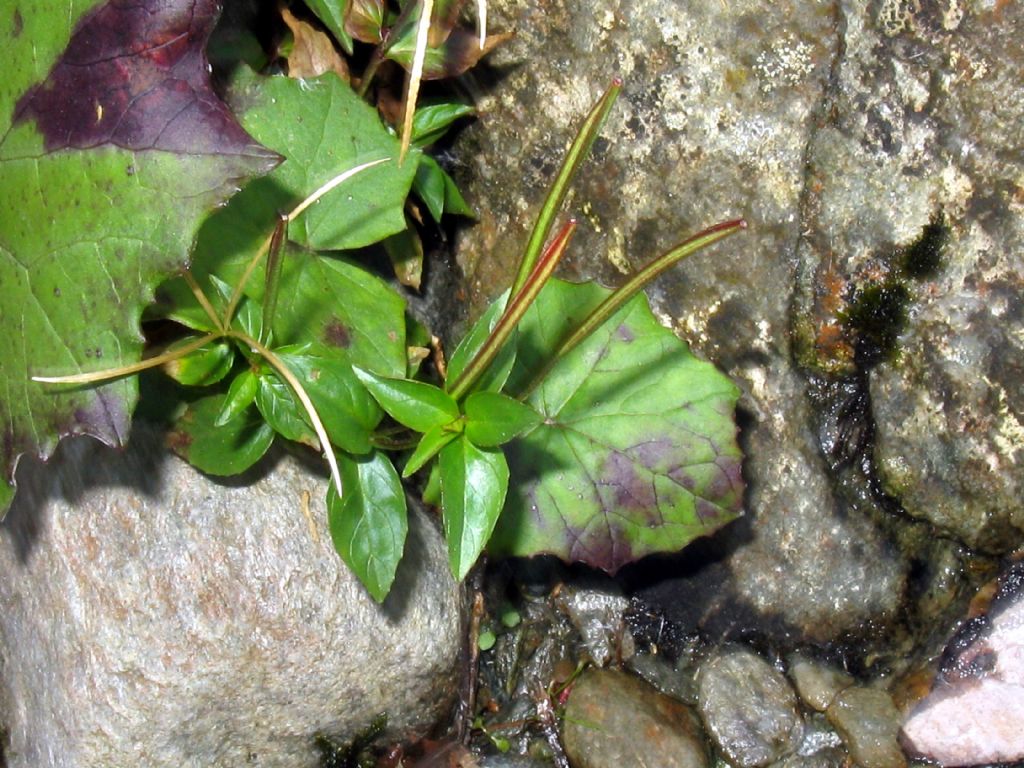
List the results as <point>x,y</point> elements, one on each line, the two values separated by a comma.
<point>152,616</point>
<point>721,101</point>
<point>925,125</point>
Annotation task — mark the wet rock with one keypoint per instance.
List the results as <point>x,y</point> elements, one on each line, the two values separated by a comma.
<point>912,259</point>
<point>748,708</point>
<point>820,747</point>
<point>613,719</point>
<point>719,105</point>
<point>869,723</point>
<point>151,616</point>
<point>817,682</point>
<point>975,713</point>
<point>599,616</point>
<point>828,758</point>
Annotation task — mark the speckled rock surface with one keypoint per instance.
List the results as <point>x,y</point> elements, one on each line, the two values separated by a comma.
<point>925,124</point>
<point>720,103</point>
<point>748,708</point>
<point>150,616</point>
<point>613,719</point>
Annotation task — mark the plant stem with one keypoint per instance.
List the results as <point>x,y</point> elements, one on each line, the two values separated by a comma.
<point>616,300</point>
<point>273,279</point>
<point>514,311</point>
<point>126,370</point>
<point>556,195</point>
<point>204,302</point>
<point>300,392</point>
<point>371,70</point>
<point>236,297</point>
<point>415,75</point>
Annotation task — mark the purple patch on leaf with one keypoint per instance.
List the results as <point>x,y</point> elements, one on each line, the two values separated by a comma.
<point>624,333</point>
<point>633,490</point>
<point>134,75</point>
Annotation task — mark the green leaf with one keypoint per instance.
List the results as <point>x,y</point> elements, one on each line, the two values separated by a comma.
<point>431,121</point>
<point>414,404</point>
<point>336,303</point>
<point>239,397</point>
<point>495,376</point>
<point>365,20</point>
<point>277,403</point>
<point>323,128</point>
<point>220,450</point>
<point>405,252</point>
<point>107,166</point>
<point>347,410</point>
<point>451,50</point>
<point>454,202</point>
<point>327,300</point>
<point>206,365</point>
<point>432,489</point>
<point>473,486</point>
<point>429,186</point>
<point>637,449</point>
<point>369,524</point>
<point>493,419</point>
<point>332,13</point>
<point>433,440</point>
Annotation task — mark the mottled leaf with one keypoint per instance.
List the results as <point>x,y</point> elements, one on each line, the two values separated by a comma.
<point>113,148</point>
<point>473,486</point>
<point>637,449</point>
<point>369,523</point>
<point>333,302</point>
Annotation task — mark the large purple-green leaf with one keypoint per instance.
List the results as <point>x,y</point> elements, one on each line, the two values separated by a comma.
<point>636,452</point>
<point>112,148</point>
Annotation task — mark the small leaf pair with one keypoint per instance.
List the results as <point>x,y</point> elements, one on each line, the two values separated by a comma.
<point>473,473</point>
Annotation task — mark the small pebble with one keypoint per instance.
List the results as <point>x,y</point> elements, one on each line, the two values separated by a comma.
<point>817,683</point>
<point>869,723</point>
<point>614,720</point>
<point>749,709</point>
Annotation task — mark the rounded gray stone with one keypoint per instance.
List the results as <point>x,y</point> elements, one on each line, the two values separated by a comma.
<point>613,719</point>
<point>152,616</point>
<point>816,682</point>
<point>748,708</point>
<point>869,723</point>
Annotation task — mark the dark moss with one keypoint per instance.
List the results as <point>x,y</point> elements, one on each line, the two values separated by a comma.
<point>923,258</point>
<point>353,754</point>
<point>876,317</point>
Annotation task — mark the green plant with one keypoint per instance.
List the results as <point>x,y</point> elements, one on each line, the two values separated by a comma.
<point>570,421</point>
